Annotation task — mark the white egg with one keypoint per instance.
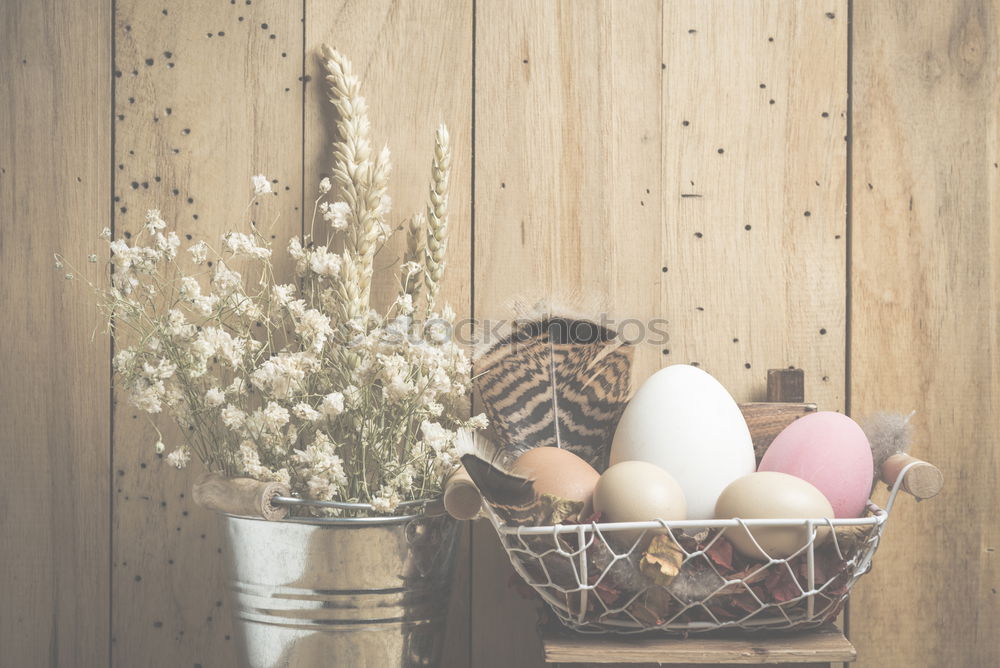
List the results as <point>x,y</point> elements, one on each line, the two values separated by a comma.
<point>684,421</point>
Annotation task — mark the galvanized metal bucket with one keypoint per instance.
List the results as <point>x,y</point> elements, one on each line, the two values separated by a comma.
<point>348,593</point>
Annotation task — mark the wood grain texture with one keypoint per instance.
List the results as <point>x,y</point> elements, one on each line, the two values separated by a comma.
<point>207,94</point>
<point>415,61</point>
<point>598,173</point>
<point>632,152</point>
<point>754,165</point>
<point>567,127</point>
<point>925,330</point>
<point>54,192</point>
<point>821,646</point>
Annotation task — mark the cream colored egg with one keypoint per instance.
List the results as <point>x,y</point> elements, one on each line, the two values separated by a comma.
<point>636,491</point>
<point>772,495</point>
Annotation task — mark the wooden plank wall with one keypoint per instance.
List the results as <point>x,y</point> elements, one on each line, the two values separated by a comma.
<point>647,104</point>
<point>55,143</point>
<point>199,89</point>
<point>668,159</point>
<point>926,318</point>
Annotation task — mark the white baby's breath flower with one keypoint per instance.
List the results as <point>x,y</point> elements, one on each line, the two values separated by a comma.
<point>479,422</point>
<point>215,341</point>
<point>154,223</point>
<point>275,416</point>
<point>123,358</point>
<point>282,293</point>
<point>333,404</point>
<point>405,304</point>
<point>226,281</point>
<point>105,233</point>
<point>261,186</point>
<point>168,244</point>
<point>190,288</point>
<point>258,359</point>
<point>436,436</point>
<point>164,369</point>
<point>336,214</point>
<point>304,411</point>
<point>199,252</point>
<point>180,457</point>
<point>320,488</point>
<point>283,375</point>
<point>177,326</point>
<point>214,397</point>
<point>240,244</point>
<point>437,331</point>
<point>92,258</point>
<point>314,328</point>
<point>295,249</point>
<point>233,417</point>
<point>324,263</point>
<point>386,501</point>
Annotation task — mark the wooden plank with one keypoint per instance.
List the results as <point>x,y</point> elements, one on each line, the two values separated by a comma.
<point>569,122</point>
<point>206,95</point>
<point>567,205</point>
<point>54,190</point>
<point>754,121</point>
<point>414,58</point>
<point>821,646</point>
<point>925,329</point>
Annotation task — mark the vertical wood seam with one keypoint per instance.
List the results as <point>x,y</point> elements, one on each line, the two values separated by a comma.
<point>302,131</point>
<point>848,237</point>
<point>469,533</point>
<point>111,347</point>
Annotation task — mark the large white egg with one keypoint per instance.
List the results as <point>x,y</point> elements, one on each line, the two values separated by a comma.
<point>685,422</point>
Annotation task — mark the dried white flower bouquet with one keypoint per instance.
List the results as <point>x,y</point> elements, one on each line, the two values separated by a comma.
<point>301,381</point>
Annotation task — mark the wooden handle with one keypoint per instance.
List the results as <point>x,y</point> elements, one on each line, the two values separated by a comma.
<point>240,496</point>
<point>923,480</point>
<point>461,496</point>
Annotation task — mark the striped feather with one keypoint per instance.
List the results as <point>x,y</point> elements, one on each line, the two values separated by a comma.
<point>556,382</point>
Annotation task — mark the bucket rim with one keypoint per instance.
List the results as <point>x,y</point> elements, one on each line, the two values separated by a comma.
<point>429,508</point>
<point>336,521</point>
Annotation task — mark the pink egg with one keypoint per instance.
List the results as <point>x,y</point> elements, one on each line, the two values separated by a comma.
<point>830,451</point>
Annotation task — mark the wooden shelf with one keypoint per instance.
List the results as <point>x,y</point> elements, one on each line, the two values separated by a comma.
<point>824,645</point>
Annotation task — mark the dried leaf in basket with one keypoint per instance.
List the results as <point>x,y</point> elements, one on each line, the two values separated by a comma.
<point>662,561</point>
<point>616,574</point>
<point>721,554</point>
<point>654,607</point>
<point>780,585</point>
<point>851,539</point>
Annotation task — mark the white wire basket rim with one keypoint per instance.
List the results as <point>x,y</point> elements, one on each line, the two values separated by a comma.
<point>877,517</point>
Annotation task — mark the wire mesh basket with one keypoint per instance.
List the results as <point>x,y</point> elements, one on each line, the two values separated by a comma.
<point>684,577</point>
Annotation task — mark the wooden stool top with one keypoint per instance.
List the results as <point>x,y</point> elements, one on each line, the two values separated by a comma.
<point>824,645</point>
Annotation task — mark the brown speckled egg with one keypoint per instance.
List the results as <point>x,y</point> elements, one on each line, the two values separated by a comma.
<point>557,472</point>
